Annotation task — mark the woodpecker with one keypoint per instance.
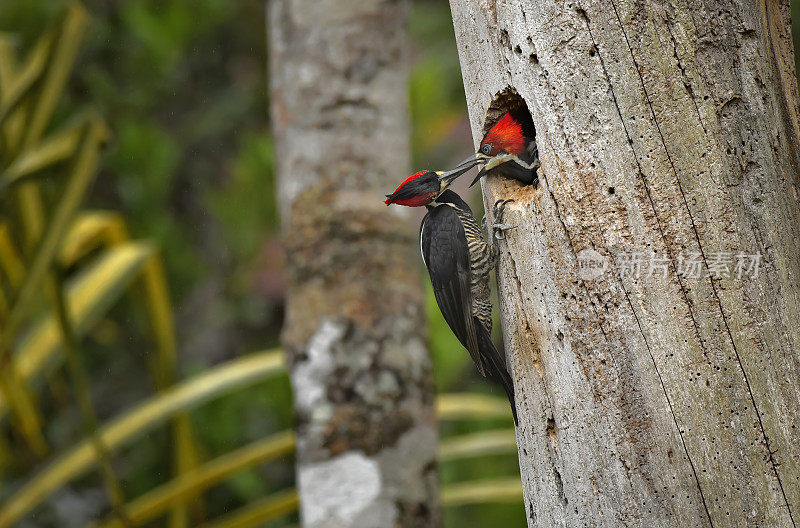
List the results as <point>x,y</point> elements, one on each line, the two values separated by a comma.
<point>459,263</point>
<point>508,149</point>
<point>422,187</point>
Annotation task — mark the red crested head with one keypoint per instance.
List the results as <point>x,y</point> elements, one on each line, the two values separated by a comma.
<point>505,135</point>
<point>417,190</point>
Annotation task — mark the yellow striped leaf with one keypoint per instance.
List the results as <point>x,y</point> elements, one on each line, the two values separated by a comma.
<point>131,425</point>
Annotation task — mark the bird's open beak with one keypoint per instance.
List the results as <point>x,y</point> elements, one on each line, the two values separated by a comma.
<point>466,165</point>
<point>483,160</point>
<point>472,161</point>
<point>449,176</point>
<point>477,159</point>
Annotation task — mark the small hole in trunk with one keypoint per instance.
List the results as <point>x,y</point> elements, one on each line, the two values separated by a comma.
<point>508,100</point>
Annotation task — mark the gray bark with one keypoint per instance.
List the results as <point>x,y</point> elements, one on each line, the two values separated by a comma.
<point>666,127</point>
<point>354,331</point>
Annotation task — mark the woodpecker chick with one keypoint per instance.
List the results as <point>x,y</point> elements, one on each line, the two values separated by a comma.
<point>459,263</point>
<point>508,149</point>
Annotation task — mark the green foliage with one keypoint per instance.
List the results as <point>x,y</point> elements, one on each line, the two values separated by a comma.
<point>436,91</point>
<point>247,195</point>
<point>45,178</point>
<point>181,84</point>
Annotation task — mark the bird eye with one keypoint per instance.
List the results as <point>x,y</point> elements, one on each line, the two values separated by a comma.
<point>487,149</point>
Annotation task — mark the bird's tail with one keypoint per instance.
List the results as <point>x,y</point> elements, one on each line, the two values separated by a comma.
<point>495,364</point>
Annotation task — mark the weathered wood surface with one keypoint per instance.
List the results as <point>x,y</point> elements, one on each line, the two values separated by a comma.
<point>666,127</point>
<point>354,333</point>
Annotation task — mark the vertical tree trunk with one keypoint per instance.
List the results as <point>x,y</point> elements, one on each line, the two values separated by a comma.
<point>354,333</point>
<point>667,129</point>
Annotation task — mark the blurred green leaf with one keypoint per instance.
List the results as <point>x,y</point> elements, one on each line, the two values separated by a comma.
<point>59,147</point>
<point>259,512</point>
<point>471,406</point>
<point>477,492</point>
<point>501,441</point>
<point>89,296</point>
<point>154,503</point>
<point>131,425</point>
<point>65,46</point>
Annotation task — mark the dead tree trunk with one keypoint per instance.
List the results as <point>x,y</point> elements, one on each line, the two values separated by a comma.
<point>354,333</point>
<point>667,395</point>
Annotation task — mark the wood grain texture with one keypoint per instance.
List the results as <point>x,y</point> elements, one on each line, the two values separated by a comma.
<point>667,129</point>
<point>354,333</point>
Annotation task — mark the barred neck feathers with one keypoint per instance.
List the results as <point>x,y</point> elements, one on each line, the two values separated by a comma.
<point>451,198</point>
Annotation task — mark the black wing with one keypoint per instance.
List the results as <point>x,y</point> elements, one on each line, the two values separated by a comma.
<point>496,364</point>
<point>446,255</point>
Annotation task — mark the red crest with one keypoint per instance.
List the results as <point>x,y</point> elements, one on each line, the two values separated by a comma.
<point>506,135</point>
<point>415,192</point>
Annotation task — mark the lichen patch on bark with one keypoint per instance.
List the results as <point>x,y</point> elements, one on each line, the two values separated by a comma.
<point>354,332</point>
<point>340,492</point>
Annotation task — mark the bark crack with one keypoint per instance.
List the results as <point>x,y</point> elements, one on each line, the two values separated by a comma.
<point>660,227</point>
<point>702,253</point>
<point>672,262</point>
<point>600,324</point>
<point>517,280</point>
<point>687,83</point>
<point>558,215</point>
<point>669,404</point>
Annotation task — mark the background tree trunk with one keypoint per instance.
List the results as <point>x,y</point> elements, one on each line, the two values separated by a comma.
<point>354,332</point>
<point>666,127</point>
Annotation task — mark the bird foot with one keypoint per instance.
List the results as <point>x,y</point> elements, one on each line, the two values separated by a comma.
<point>535,167</point>
<point>498,227</point>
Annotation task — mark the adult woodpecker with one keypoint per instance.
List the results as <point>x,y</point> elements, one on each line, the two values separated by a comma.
<point>508,149</point>
<point>459,262</point>
<point>422,187</point>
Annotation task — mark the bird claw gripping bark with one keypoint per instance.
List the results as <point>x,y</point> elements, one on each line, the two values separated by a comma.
<point>498,227</point>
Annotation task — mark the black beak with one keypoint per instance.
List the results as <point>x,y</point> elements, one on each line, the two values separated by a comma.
<point>473,161</point>
<point>465,166</point>
<point>481,174</point>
